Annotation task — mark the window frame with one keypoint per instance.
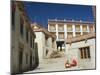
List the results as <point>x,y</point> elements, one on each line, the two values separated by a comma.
<point>85,52</point>
<point>21,26</point>
<point>27,35</point>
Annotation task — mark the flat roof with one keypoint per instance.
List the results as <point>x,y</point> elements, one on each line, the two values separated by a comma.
<point>69,21</point>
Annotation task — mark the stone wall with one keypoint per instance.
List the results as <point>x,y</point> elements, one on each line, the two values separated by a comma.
<point>23,56</point>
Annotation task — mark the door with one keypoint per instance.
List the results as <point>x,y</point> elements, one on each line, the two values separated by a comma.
<point>30,60</point>
<point>20,59</point>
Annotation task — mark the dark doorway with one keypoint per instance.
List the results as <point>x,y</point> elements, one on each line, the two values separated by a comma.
<point>20,59</point>
<point>36,55</point>
<point>30,60</point>
<point>46,52</point>
<point>59,44</point>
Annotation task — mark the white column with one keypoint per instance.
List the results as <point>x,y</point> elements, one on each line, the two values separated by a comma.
<point>65,30</point>
<point>93,28</point>
<point>88,29</point>
<point>73,26</point>
<point>81,29</point>
<point>57,30</point>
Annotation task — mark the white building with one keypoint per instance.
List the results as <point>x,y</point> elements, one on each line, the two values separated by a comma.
<point>46,41</point>
<point>82,49</point>
<point>65,28</point>
<point>24,55</point>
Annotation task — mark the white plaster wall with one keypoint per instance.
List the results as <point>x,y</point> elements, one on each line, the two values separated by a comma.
<point>42,47</point>
<point>73,52</point>
<point>40,39</point>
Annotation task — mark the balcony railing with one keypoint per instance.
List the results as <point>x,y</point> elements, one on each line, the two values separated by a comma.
<point>84,30</point>
<point>52,29</point>
<point>60,29</point>
<point>69,29</point>
<point>77,29</point>
<point>84,33</point>
<point>60,37</point>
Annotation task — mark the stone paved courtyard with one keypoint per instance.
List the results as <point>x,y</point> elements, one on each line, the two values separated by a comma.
<point>53,64</point>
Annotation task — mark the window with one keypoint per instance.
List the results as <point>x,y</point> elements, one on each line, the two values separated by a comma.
<point>60,27</point>
<point>31,41</point>
<point>46,41</point>
<point>84,27</point>
<point>33,59</point>
<point>69,34</point>
<point>47,52</point>
<point>20,56</point>
<point>26,58</point>
<point>85,52</point>
<point>69,27</point>
<point>61,35</point>
<point>27,35</point>
<point>21,26</point>
<point>77,28</point>
<point>91,28</point>
<point>13,15</point>
<point>52,27</point>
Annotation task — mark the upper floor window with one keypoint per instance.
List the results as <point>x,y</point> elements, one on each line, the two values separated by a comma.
<point>69,27</point>
<point>33,42</point>
<point>21,26</point>
<point>30,40</point>
<point>13,15</point>
<point>26,34</point>
<point>84,28</point>
<point>26,58</point>
<point>52,27</point>
<point>61,35</point>
<point>60,27</point>
<point>77,27</point>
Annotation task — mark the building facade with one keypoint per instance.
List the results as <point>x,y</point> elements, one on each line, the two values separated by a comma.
<point>24,53</point>
<point>82,49</point>
<point>46,41</point>
<point>65,28</point>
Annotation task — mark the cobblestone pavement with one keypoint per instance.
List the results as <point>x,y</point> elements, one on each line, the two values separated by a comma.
<point>53,64</point>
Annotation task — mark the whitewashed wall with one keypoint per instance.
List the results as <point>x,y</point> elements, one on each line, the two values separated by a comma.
<point>72,51</point>
<point>42,47</point>
<point>40,39</point>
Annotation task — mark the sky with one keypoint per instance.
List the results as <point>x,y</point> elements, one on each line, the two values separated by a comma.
<point>41,12</point>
